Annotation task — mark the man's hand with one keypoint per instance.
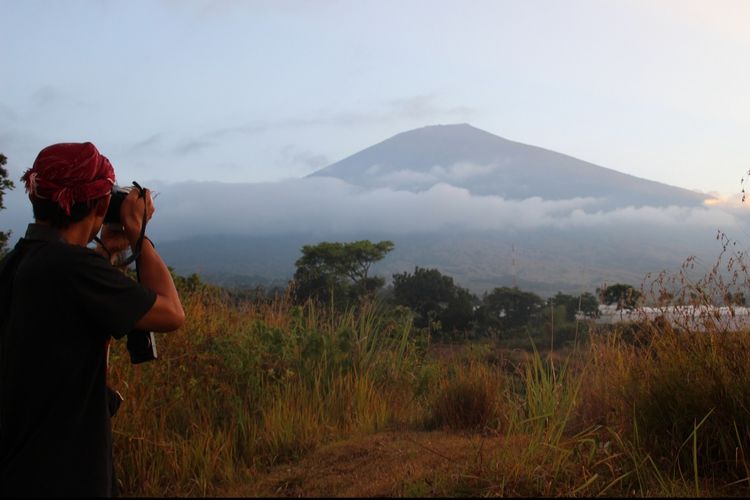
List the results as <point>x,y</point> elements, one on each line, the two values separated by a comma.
<point>131,213</point>
<point>114,242</point>
<point>114,239</point>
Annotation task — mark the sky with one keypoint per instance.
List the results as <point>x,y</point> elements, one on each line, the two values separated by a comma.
<point>270,91</point>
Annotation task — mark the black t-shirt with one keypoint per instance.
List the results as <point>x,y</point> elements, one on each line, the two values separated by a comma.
<point>59,306</point>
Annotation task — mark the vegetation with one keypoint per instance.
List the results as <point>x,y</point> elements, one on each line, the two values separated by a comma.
<point>338,273</point>
<point>622,295</point>
<point>5,184</point>
<point>509,310</point>
<point>246,386</point>
<point>253,385</point>
<point>585,304</point>
<point>437,303</point>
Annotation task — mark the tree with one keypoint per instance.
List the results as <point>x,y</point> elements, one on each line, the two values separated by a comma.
<point>585,303</point>
<point>509,309</point>
<point>434,297</point>
<point>339,271</point>
<point>5,184</point>
<point>567,302</point>
<point>625,296</point>
<point>735,299</point>
<point>588,304</point>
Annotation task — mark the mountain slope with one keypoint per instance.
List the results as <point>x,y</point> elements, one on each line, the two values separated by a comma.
<point>523,215</point>
<point>486,164</point>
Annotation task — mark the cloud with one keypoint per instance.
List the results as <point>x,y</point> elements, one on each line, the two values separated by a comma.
<point>192,146</point>
<point>407,178</point>
<point>48,97</point>
<point>462,171</point>
<point>247,129</point>
<point>7,114</point>
<point>425,107</point>
<point>309,160</point>
<point>45,96</point>
<point>327,205</point>
<point>147,146</point>
<point>653,216</point>
<point>457,174</point>
<point>422,108</point>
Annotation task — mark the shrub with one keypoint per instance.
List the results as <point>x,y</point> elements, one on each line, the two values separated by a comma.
<point>470,399</point>
<point>682,396</point>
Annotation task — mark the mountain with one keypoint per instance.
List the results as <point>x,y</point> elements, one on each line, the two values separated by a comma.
<point>485,164</point>
<point>485,210</point>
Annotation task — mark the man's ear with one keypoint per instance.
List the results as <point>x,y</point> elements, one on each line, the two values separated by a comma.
<point>102,204</point>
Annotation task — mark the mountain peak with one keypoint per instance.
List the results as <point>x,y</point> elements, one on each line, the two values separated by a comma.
<point>486,164</point>
<point>446,126</point>
<point>452,130</point>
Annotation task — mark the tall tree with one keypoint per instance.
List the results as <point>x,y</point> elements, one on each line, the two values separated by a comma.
<point>5,184</point>
<point>434,297</point>
<point>621,294</point>
<point>585,303</point>
<point>509,309</point>
<point>339,271</point>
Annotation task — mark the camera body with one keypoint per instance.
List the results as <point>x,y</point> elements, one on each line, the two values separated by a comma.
<point>115,204</point>
<point>141,346</point>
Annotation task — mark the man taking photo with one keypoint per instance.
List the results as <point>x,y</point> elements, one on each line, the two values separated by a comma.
<point>60,303</point>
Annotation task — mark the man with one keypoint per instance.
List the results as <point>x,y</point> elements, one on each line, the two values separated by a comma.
<point>60,302</point>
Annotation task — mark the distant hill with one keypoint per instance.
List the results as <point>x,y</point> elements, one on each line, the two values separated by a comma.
<point>540,261</point>
<point>486,164</point>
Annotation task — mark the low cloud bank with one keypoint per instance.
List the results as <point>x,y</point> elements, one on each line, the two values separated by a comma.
<point>324,205</point>
<point>328,205</point>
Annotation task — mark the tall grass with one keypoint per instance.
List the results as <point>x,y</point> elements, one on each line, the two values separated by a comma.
<point>468,397</point>
<point>649,409</point>
<point>244,386</point>
<point>682,397</point>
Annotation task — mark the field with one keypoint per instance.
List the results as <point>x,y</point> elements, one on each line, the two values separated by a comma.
<point>256,398</point>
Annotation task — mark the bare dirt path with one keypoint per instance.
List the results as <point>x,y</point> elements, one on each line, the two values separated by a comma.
<point>389,464</point>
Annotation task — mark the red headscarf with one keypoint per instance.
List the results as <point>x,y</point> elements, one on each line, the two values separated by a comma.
<point>68,173</point>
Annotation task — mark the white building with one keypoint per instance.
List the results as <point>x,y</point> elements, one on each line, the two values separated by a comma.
<point>690,317</point>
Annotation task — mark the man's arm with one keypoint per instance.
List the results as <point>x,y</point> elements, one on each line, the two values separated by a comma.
<point>166,314</point>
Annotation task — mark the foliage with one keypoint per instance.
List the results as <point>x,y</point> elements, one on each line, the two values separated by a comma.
<point>625,296</point>
<point>5,184</point>
<point>679,387</point>
<point>508,310</point>
<point>434,299</point>
<point>470,399</point>
<point>335,272</point>
<point>586,303</point>
<point>246,385</point>
<point>252,383</point>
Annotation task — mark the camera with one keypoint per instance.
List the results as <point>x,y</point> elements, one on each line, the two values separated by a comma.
<point>141,343</point>
<point>141,346</point>
<point>115,204</point>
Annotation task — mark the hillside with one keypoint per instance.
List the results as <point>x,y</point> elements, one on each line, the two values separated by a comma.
<point>486,164</point>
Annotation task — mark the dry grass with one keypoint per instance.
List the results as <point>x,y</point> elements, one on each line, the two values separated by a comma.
<point>249,384</point>
<point>277,399</point>
<point>386,464</point>
<point>469,398</point>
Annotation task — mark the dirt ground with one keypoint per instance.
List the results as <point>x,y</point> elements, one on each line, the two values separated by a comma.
<point>388,464</point>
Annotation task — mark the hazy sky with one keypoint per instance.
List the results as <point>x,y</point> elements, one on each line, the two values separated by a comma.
<point>260,91</point>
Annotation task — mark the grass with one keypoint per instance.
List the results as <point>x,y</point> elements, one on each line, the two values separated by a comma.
<point>246,386</point>
<point>250,385</point>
